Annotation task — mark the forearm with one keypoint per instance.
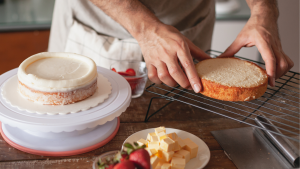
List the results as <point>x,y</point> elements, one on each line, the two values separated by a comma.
<point>264,8</point>
<point>131,14</point>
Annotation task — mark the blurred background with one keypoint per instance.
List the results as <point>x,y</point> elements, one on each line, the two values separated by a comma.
<point>25,28</point>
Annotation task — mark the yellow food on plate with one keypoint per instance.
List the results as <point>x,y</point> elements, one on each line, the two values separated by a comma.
<point>153,145</point>
<point>181,143</point>
<point>177,163</point>
<point>166,166</point>
<point>166,156</point>
<point>150,135</point>
<point>169,151</point>
<point>142,142</point>
<point>151,152</point>
<point>191,147</point>
<point>167,144</point>
<point>160,129</point>
<point>154,161</point>
<point>186,155</point>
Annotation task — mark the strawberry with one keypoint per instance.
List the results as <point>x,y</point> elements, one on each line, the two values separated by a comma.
<point>123,74</point>
<point>140,158</point>
<point>124,157</point>
<point>131,72</point>
<point>113,69</point>
<point>133,86</point>
<point>125,165</point>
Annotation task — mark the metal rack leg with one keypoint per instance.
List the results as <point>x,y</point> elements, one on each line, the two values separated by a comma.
<point>149,107</point>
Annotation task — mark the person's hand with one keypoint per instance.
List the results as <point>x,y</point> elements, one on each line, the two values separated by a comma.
<point>263,33</point>
<point>165,50</point>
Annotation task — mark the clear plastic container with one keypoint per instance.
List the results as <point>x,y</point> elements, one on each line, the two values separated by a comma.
<point>137,82</point>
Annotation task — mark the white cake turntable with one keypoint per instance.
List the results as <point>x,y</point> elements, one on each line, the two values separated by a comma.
<point>69,134</point>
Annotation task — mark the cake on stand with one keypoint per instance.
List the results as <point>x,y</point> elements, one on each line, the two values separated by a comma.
<point>67,133</point>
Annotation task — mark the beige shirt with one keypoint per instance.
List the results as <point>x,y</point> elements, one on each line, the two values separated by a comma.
<point>78,23</point>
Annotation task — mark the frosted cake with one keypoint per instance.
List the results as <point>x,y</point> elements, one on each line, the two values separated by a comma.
<point>57,78</point>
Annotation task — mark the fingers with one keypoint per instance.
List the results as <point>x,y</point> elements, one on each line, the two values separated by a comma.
<point>190,70</point>
<point>196,52</point>
<point>177,74</point>
<point>152,74</point>
<point>290,63</point>
<point>269,58</point>
<point>282,66</point>
<point>232,49</point>
<point>163,74</point>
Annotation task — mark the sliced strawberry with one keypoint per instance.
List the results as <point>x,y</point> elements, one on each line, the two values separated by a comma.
<point>133,86</point>
<point>113,69</point>
<point>124,74</point>
<point>131,72</point>
<point>125,165</point>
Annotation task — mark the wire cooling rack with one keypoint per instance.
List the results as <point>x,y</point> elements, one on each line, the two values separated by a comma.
<point>279,104</point>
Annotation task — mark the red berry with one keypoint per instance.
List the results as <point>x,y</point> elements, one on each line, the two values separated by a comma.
<point>140,158</point>
<point>123,74</point>
<point>125,165</point>
<point>133,86</point>
<point>124,157</point>
<point>113,69</point>
<point>131,72</point>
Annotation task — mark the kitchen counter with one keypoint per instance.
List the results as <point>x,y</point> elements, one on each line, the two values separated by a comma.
<point>176,115</point>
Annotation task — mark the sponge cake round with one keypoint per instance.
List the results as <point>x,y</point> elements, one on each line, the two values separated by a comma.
<point>232,79</point>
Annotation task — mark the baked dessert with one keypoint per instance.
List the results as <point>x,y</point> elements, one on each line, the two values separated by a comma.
<point>57,78</point>
<point>232,79</point>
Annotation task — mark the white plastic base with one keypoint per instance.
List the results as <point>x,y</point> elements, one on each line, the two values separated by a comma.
<point>58,142</point>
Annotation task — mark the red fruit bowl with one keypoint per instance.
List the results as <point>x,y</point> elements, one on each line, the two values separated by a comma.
<point>135,72</point>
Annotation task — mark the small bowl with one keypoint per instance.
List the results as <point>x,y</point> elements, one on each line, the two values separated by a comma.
<point>137,82</point>
<point>103,156</point>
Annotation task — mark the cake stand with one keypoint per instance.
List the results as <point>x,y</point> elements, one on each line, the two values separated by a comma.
<point>65,135</point>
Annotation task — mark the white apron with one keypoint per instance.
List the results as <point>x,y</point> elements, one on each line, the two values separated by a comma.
<point>78,26</point>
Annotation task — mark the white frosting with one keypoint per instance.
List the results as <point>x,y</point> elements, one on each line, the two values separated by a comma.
<point>53,72</point>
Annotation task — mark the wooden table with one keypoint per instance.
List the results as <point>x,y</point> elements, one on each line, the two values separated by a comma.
<point>176,115</point>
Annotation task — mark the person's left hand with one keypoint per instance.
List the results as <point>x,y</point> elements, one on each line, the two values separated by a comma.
<point>263,33</point>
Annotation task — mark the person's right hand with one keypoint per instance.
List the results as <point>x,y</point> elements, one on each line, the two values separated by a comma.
<point>164,50</point>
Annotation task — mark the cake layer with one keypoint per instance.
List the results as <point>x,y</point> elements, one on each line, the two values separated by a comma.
<point>231,72</point>
<point>57,72</point>
<point>232,79</point>
<point>57,98</point>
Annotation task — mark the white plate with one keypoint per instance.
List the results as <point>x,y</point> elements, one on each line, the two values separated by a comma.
<point>196,163</point>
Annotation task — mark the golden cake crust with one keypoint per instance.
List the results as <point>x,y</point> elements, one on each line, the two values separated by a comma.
<point>230,93</point>
<point>226,93</point>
